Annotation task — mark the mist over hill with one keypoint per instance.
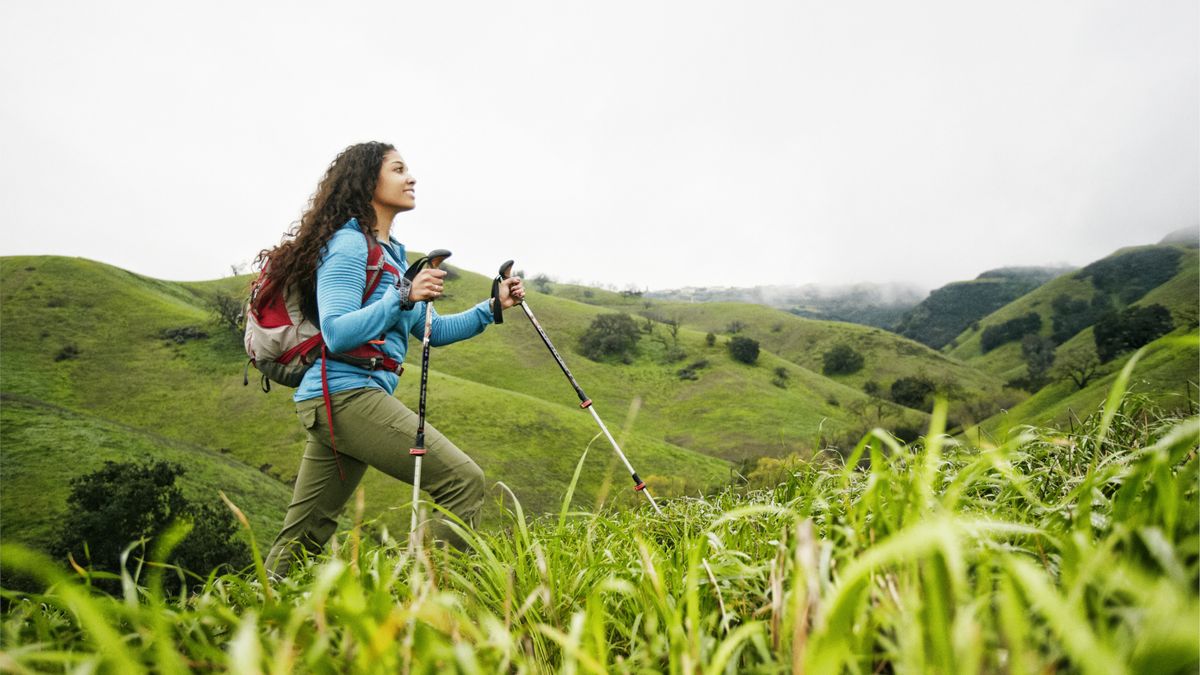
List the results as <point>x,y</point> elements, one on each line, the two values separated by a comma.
<point>869,304</point>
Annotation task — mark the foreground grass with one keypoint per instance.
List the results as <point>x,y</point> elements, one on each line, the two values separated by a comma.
<point>1054,552</point>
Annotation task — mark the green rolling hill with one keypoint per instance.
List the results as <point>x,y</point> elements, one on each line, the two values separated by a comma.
<point>141,359</point>
<point>99,363</point>
<point>803,343</point>
<point>1138,276</point>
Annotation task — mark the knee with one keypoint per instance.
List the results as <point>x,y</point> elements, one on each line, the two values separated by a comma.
<point>473,482</point>
<point>463,490</point>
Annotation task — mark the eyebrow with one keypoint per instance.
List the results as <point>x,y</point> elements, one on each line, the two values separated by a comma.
<point>398,161</point>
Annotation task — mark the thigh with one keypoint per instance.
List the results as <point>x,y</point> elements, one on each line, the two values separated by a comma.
<point>376,428</point>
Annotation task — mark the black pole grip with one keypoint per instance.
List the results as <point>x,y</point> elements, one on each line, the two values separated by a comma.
<point>497,310</point>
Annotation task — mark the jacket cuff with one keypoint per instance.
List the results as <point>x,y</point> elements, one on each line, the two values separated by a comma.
<point>483,310</point>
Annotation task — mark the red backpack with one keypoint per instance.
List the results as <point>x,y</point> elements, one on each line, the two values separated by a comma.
<point>283,343</point>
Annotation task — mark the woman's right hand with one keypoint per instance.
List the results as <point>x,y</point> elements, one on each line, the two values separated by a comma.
<point>427,285</point>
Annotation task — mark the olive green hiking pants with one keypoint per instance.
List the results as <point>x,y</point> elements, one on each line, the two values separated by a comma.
<point>372,429</point>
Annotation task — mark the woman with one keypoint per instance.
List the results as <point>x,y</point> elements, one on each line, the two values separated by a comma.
<point>365,187</point>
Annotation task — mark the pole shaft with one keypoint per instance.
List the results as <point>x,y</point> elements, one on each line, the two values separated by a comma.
<point>549,345</point>
<point>646,490</point>
<point>587,403</point>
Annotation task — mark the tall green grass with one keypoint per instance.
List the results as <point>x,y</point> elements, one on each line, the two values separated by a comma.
<point>1050,552</point>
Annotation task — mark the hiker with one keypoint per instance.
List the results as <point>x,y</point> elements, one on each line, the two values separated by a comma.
<point>324,261</point>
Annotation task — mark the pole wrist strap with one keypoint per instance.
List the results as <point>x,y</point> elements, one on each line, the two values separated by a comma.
<point>497,310</point>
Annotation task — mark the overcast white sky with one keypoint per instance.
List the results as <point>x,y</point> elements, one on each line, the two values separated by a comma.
<point>659,144</point>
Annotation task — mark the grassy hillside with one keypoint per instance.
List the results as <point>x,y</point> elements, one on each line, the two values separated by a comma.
<point>803,343</point>
<point>1165,374</point>
<point>94,340</point>
<point>1178,292</point>
<point>45,446</point>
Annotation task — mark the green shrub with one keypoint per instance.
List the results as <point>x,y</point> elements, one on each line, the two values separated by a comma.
<point>122,503</point>
<point>842,360</point>
<point>610,335</point>
<point>781,377</point>
<point>744,349</point>
<point>913,392</point>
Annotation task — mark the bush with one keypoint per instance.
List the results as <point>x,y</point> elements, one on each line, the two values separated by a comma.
<point>610,335</point>
<point>744,349</point>
<point>182,334</point>
<point>781,377</point>
<point>913,392</point>
<point>842,360</point>
<point>123,502</point>
<point>1069,316</point>
<point>1131,328</point>
<point>1013,329</point>
<point>710,339</point>
<point>69,351</point>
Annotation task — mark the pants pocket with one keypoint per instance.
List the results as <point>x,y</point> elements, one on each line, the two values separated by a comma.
<point>308,417</point>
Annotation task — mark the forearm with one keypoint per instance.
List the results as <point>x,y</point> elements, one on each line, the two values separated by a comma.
<point>454,327</point>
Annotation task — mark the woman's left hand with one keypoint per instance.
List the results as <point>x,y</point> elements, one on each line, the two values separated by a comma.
<point>512,291</point>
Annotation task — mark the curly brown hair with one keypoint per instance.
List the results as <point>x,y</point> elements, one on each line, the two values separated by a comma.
<point>344,192</point>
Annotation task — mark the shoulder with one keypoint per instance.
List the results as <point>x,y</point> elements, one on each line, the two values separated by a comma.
<point>348,240</point>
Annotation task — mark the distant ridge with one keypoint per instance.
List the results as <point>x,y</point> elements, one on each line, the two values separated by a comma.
<point>1186,236</point>
<point>949,310</point>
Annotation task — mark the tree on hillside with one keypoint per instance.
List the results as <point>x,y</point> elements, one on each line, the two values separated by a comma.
<point>1071,315</point>
<point>610,335</point>
<point>1038,353</point>
<point>1130,328</point>
<point>744,349</point>
<point>841,360</point>
<point>541,283</point>
<point>1013,329</point>
<point>228,313</point>
<point>122,503</point>
<point>1079,366</point>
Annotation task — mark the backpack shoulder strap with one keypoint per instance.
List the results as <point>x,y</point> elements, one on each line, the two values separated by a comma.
<point>374,266</point>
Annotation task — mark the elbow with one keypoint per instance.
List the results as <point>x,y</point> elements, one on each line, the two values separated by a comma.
<point>335,340</point>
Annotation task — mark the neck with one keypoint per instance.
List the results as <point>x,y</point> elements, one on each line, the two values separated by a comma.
<point>383,221</point>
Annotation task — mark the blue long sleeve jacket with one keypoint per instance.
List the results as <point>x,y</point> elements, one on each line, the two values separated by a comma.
<point>347,322</point>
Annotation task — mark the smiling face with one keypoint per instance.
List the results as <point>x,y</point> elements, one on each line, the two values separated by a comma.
<point>396,188</point>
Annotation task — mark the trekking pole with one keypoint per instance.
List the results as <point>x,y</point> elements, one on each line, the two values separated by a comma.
<point>584,402</point>
<point>434,260</point>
